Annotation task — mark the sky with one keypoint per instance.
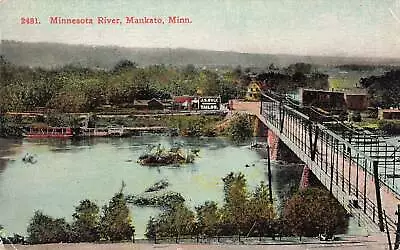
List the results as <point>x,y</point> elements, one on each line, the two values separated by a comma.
<point>366,28</point>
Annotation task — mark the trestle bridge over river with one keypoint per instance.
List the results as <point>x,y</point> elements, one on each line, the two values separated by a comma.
<point>359,168</point>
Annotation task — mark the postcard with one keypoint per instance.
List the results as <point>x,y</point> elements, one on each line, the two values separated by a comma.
<point>191,124</point>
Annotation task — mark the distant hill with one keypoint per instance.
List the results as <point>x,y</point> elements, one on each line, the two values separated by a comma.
<point>50,55</point>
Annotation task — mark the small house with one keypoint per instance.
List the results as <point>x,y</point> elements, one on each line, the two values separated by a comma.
<point>253,91</point>
<point>140,104</point>
<point>390,114</point>
<point>183,102</point>
<point>153,104</point>
<point>323,99</point>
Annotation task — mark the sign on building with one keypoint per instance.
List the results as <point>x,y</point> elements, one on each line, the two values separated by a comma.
<point>209,103</point>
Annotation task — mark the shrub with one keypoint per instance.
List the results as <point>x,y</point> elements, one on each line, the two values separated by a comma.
<point>116,223</point>
<point>240,128</point>
<point>45,229</point>
<point>314,211</point>
<point>86,222</point>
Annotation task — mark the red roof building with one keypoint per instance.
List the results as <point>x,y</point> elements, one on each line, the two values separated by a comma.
<point>183,102</point>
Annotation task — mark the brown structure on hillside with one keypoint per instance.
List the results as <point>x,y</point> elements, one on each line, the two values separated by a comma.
<point>152,104</point>
<point>357,102</point>
<point>323,99</point>
<point>390,114</point>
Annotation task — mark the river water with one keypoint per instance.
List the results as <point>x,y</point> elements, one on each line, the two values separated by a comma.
<point>69,171</point>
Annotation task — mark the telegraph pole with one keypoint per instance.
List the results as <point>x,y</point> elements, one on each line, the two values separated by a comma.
<point>269,174</point>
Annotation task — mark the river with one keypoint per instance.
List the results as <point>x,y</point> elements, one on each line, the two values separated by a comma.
<point>69,171</point>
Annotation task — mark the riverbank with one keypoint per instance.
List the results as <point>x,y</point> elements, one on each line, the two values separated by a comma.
<point>184,124</point>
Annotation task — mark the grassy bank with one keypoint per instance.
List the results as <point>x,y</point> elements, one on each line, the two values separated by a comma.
<point>388,127</point>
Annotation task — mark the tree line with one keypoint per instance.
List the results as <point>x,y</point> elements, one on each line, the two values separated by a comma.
<point>384,89</point>
<point>243,212</point>
<point>114,223</point>
<point>308,212</point>
<point>78,89</point>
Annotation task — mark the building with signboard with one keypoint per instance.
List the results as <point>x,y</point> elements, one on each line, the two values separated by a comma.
<point>209,102</point>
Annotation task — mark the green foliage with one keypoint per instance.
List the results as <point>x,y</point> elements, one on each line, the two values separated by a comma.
<point>61,120</point>
<point>45,229</point>
<point>384,89</point>
<point>240,128</point>
<point>208,218</point>
<point>86,222</point>
<point>389,127</point>
<point>152,229</point>
<point>240,212</point>
<point>165,200</point>
<point>262,210</point>
<point>77,89</point>
<point>115,222</point>
<point>312,212</point>
<point>9,128</point>
<point>15,239</point>
<point>303,68</point>
<point>174,222</point>
<point>235,210</point>
<point>356,117</point>
<point>194,125</point>
<point>292,80</point>
<point>125,65</point>
<point>243,210</point>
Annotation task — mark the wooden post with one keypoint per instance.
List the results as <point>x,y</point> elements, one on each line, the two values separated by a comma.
<point>397,241</point>
<point>310,140</point>
<point>269,175</point>
<point>378,196</point>
<point>343,156</point>
<point>387,231</point>
<point>314,147</point>
<point>349,164</point>
<point>282,116</point>
<point>337,161</point>
<point>365,188</point>
<point>330,185</point>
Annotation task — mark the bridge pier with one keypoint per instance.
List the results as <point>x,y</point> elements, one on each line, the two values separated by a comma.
<point>305,178</point>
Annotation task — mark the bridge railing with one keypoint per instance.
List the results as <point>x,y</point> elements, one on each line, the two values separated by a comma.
<point>331,149</point>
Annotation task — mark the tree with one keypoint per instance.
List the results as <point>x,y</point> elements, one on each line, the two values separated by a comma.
<point>208,218</point>
<point>303,68</point>
<point>261,209</point>
<point>116,223</point>
<point>124,65</point>
<point>177,221</point>
<point>383,89</point>
<point>86,222</point>
<point>314,211</point>
<point>45,229</point>
<point>152,229</point>
<point>240,128</point>
<point>8,127</point>
<point>236,208</point>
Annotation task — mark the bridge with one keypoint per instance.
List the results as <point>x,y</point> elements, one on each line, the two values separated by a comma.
<point>359,168</point>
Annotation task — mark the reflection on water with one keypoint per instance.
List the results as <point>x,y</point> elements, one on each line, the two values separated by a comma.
<point>68,171</point>
<point>8,148</point>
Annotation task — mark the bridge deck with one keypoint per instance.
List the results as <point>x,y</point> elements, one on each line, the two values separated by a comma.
<point>343,161</point>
